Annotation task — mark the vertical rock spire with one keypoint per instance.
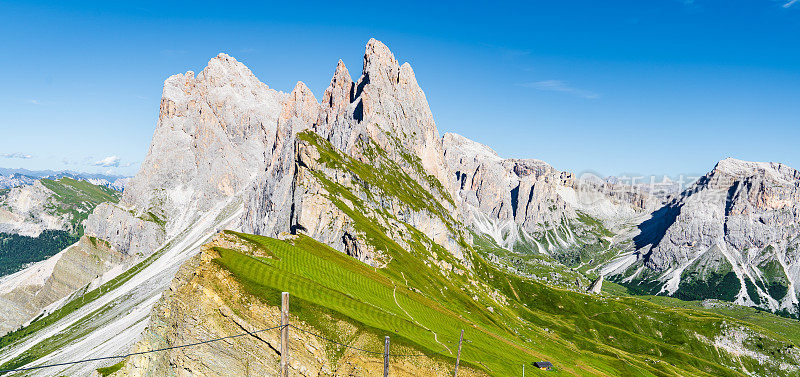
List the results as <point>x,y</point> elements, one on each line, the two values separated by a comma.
<point>387,105</point>
<point>336,100</point>
<point>379,63</point>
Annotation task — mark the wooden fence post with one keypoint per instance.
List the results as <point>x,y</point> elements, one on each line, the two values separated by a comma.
<point>458,355</point>
<point>284,372</point>
<point>386,358</point>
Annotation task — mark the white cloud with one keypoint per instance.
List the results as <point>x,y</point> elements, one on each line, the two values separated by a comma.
<point>789,3</point>
<point>108,162</point>
<point>22,156</point>
<point>560,86</point>
<point>34,102</point>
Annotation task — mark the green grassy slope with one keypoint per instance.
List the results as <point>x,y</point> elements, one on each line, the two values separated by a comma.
<point>77,199</point>
<point>511,320</point>
<point>580,334</point>
<point>778,326</point>
<point>72,198</point>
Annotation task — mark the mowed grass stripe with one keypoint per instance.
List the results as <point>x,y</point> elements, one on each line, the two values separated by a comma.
<point>369,301</point>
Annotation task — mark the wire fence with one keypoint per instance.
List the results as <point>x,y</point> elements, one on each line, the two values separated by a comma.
<point>284,340</point>
<point>354,348</point>
<point>4,371</point>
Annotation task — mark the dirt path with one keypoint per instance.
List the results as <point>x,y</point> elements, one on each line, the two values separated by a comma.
<point>435,336</point>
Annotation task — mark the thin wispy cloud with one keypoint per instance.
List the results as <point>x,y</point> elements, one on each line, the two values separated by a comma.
<point>22,156</point>
<point>34,102</point>
<point>562,87</point>
<point>110,161</point>
<point>789,3</point>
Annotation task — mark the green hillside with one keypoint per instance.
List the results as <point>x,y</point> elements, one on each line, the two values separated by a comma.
<point>529,321</point>
<point>70,198</point>
<point>77,199</point>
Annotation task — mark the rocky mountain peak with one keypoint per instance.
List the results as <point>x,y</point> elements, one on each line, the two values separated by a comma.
<point>336,100</point>
<point>741,169</point>
<point>386,105</point>
<point>301,103</point>
<point>340,91</point>
<point>379,62</point>
<point>455,142</point>
<point>224,69</point>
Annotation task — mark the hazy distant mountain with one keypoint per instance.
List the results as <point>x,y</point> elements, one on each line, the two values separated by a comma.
<point>17,177</point>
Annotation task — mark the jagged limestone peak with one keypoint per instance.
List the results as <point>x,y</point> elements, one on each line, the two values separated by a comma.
<point>339,93</point>
<point>336,109</point>
<point>224,69</point>
<point>379,62</point>
<point>301,103</point>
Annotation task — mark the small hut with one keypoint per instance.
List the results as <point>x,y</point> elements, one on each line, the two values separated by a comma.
<point>543,365</point>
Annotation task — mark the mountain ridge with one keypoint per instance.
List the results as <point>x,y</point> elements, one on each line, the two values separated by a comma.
<point>365,173</point>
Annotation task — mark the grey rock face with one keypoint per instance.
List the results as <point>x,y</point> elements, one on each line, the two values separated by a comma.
<point>385,106</point>
<point>505,189</point>
<point>597,285</point>
<point>120,227</point>
<point>270,198</point>
<point>215,134</point>
<point>748,212</point>
<point>503,197</point>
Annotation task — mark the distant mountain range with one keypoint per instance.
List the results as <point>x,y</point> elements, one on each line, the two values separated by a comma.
<point>18,177</point>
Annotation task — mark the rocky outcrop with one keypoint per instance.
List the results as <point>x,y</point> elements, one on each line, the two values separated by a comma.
<point>508,191</point>
<point>27,210</point>
<point>119,226</point>
<point>597,285</point>
<point>269,199</point>
<point>387,105</point>
<point>384,110</point>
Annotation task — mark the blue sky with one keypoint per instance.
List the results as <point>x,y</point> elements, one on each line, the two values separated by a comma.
<point>615,87</point>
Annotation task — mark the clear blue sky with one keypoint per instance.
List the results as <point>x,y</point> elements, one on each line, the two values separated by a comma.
<point>655,87</point>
